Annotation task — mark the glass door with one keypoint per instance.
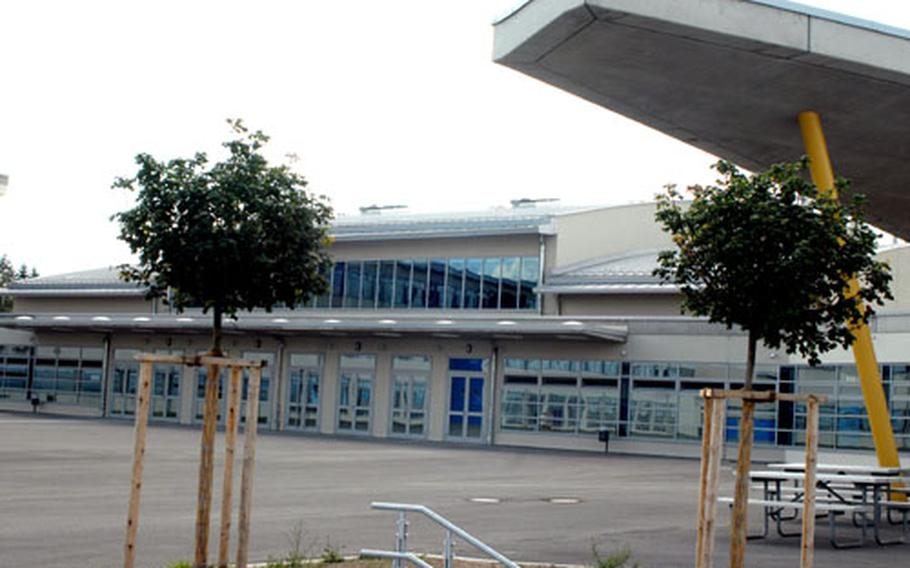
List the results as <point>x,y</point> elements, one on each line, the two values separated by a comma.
<point>355,393</point>
<point>410,377</point>
<point>303,395</point>
<point>166,391</point>
<point>466,399</point>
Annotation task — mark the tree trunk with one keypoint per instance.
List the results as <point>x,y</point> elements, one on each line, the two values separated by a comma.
<point>217,316</point>
<point>750,361</point>
<point>743,460</point>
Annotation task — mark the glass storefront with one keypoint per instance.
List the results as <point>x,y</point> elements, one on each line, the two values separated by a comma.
<point>647,400</point>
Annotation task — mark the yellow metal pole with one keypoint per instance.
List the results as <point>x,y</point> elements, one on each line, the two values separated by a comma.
<point>863,350</point>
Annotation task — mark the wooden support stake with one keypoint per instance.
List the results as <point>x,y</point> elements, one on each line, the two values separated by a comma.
<point>741,488</point>
<point>230,438</point>
<point>249,457</point>
<point>807,554</point>
<point>206,466</point>
<point>142,416</point>
<point>715,455</point>
<point>700,560</point>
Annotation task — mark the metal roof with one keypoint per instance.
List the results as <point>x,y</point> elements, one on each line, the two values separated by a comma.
<point>499,221</point>
<point>98,282</point>
<point>628,273</point>
<point>731,77</point>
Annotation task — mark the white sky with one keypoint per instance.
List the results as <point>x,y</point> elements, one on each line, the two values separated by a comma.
<point>384,102</point>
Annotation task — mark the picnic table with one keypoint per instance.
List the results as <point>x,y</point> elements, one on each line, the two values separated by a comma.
<point>864,492</point>
<point>841,468</point>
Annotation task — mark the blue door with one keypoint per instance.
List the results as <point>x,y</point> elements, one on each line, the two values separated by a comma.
<point>466,399</point>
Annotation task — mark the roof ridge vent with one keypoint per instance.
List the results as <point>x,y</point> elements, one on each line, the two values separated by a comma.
<point>529,203</point>
<point>378,209</point>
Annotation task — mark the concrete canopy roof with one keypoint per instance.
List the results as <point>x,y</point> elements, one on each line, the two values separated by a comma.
<point>443,326</point>
<point>731,76</point>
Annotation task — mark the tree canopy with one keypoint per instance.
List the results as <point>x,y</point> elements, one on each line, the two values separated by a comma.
<point>239,234</point>
<point>772,254</point>
<point>9,274</point>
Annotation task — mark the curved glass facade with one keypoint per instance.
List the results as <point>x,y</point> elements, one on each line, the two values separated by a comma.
<point>489,283</point>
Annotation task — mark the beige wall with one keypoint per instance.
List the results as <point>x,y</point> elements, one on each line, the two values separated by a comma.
<point>899,261</point>
<point>607,232</point>
<point>83,305</point>
<point>509,245</point>
<point>620,305</point>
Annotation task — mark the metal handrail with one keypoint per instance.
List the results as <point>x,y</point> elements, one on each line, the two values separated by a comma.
<point>409,556</point>
<point>451,528</point>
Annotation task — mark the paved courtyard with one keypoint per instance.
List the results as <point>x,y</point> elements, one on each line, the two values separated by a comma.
<point>64,486</point>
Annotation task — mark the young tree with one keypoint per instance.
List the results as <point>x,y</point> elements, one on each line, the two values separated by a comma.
<point>772,254</point>
<point>236,235</point>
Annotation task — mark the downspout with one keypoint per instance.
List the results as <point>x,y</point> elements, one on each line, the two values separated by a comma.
<point>280,391</point>
<point>106,370</point>
<point>540,272</point>
<point>494,388</point>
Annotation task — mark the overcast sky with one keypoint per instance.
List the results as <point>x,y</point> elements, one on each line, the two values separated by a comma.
<point>384,102</point>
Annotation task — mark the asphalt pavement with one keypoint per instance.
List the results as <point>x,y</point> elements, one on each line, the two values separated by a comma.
<point>64,486</point>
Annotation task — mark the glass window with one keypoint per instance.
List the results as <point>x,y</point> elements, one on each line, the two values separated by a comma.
<point>491,272</point>
<point>386,284</point>
<point>368,287</point>
<point>473,269</point>
<point>325,300</point>
<point>338,285</point>
<point>402,284</point>
<point>436,295</point>
<point>511,272</point>
<point>352,285</point>
<point>455,283</point>
<point>419,284</point>
<point>530,275</point>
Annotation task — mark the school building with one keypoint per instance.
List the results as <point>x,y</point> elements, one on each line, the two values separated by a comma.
<point>532,325</point>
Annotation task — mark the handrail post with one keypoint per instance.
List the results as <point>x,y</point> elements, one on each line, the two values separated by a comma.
<point>401,540</point>
<point>450,527</point>
<point>448,550</point>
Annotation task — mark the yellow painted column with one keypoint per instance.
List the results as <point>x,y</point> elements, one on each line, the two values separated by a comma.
<point>863,350</point>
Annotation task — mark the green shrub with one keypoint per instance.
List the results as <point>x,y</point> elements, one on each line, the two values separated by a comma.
<point>618,559</point>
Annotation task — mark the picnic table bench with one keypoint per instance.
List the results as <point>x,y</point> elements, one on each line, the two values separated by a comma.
<point>865,493</point>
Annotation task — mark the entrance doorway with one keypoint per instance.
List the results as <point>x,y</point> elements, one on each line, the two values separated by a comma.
<point>467,392</point>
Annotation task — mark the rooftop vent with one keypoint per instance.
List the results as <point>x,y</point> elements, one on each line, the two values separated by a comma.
<point>527,203</point>
<point>377,209</point>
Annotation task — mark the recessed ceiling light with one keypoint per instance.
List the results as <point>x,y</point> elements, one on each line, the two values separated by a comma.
<point>62,318</point>
<point>505,322</point>
<point>24,318</point>
<point>142,318</point>
<point>101,318</point>
<point>331,320</point>
<point>445,322</point>
<point>184,320</point>
<point>387,321</point>
<point>572,323</point>
<point>280,320</point>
